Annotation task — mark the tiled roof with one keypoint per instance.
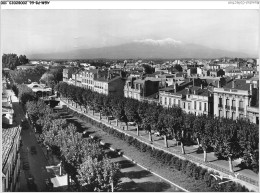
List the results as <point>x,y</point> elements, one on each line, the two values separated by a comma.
<point>247,69</point>
<point>199,91</point>
<point>168,89</point>
<point>104,79</point>
<point>239,84</point>
<point>153,96</point>
<point>9,137</point>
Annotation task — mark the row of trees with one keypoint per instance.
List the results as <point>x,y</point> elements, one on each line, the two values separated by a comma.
<point>28,75</point>
<point>83,158</point>
<point>227,138</point>
<point>173,163</point>
<point>11,61</point>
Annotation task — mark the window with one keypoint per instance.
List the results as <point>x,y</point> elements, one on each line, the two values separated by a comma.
<point>220,101</point>
<point>220,113</point>
<point>241,116</point>
<point>179,103</point>
<point>205,106</point>
<point>233,103</point>
<point>170,101</point>
<point>227,102</point>
<point>241,105</point>
<point>165,101</point>
<point>183,105</point>
<point>195,105</point>
<point>174,102</point>
<point>227,114</point>
<point>233,116</point>
<point>188,106</point>
<point>200,106</point>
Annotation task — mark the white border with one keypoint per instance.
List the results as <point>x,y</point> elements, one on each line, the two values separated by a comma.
<point>229,4</point>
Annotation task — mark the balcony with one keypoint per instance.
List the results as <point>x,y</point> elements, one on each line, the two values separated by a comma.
<point>240,109</point>
<point>227,106</point>
<point>220,105</point>
<point>233,108</point>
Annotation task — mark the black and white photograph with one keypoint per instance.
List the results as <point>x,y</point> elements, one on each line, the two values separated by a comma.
<point>128,96</point>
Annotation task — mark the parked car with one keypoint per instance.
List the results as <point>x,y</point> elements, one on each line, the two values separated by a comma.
<point>157,133</point>
<point>30,183</point>
<point>48,184</point>
<point>33,150</point>
<point>131,123</point>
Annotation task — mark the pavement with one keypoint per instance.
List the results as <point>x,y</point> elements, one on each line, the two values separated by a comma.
<point>246,175</point>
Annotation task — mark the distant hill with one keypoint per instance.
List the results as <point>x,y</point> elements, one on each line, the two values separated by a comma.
<point>164,49</point>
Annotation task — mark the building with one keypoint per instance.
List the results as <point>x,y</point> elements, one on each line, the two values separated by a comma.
<point>224,65</point>
<point>67,74</point>
<point>40,89</point>
<point>26,67</point>
<point>216,73</point>
<point>139,88</point>
<point>192,99</point>
<point>110,85</point>
<point>88,76</point>
<point>11,159</point>
<point>233,72</point>
<point>247,71</point>
<point>236,100</point>
<point>214,66</point>
<point>7,109</point>
<point>76,78</point>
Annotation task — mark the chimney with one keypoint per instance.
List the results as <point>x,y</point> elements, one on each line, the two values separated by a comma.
<point>218,83</point>
<point>233,84</point>
<point>98,73</point>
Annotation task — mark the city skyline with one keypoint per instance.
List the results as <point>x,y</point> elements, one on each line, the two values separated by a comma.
<point>50,31</point>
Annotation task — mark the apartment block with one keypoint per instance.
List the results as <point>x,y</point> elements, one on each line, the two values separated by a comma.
<point>237,99</point>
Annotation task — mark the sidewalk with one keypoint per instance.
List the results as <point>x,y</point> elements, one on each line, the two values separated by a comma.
<point>247,176</point>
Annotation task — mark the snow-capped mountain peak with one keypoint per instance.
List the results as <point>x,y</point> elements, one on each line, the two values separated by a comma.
<point>163,42</point>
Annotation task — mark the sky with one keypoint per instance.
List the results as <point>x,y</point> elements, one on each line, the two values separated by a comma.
<point>48,31</point>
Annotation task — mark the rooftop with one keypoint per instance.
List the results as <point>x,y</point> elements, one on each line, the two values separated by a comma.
<point>239,84</point>
<point>8,139</point>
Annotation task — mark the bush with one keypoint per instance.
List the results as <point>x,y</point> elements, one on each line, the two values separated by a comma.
<point>159,154</point>
<point>163,157</point>
<point>190,168</point>
<point>196,172</point>
<point>149,150</point>
<point>202,173</point>
<point>178,164</point>
<point>168,159</point>
<point>207,178</point>
<point>143,147</point>
<point>184,166</point>
<point>173,161</point>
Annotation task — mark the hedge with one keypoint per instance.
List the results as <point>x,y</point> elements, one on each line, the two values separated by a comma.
<point>190,169</point>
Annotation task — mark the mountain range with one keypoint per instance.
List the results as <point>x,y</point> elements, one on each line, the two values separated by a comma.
<point>145,49</point>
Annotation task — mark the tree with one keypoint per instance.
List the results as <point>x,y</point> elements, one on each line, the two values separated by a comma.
<point>229,145</point>
<point>148,69</point>
<point>25,94</point>
<point>162,125</point>
<point>198,127</point>
<point>130,109</point>
<point>48,79</point>
<point>97,175</point>
<point>23,60</point>
<point>178,67</point>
